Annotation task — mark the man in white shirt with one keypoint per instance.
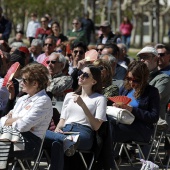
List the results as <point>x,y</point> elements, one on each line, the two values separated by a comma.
<point>32,27</point>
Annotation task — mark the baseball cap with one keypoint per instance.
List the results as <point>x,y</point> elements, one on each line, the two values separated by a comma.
<point>105,24</point>
<point>148,50</point>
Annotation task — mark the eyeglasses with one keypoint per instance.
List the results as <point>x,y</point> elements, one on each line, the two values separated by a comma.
<point>75,23</point>
<point>99,49</point>
<point>58,51</point>
<point>52,61</point>
<point>132,79</point>
<point>24,80</point>
<point>50,45</point>
<point>145,57</point>
<point>161,54</point>
<point>84,74</point>
<point>80,52</point>
<point>43,21</point>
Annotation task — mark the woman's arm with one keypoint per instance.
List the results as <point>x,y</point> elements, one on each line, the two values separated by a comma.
<point>95,123</point>
<point>60,125</point>
<point>9,121</point>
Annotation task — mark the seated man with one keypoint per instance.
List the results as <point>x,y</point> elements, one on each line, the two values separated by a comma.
<point>59,83</point>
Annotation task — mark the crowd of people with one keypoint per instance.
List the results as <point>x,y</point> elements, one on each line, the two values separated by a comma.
<point>54,72</point>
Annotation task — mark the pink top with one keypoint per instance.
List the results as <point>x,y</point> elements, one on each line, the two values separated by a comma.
<point>41,58</point>
<point>126,28</point>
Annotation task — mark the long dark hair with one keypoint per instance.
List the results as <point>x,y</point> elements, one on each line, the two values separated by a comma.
<point>141,72</point>
<point>96,73</point>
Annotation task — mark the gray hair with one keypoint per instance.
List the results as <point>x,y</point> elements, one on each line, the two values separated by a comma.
<point>37,42</point>
<point>61,58</point>
<point>122,46</point>
<point>112,59</point>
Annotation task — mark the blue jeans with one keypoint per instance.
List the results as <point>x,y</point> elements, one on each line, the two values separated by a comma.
<point>55,140</point>
<point>126,40</point>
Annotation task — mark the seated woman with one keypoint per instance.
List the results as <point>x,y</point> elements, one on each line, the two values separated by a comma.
<point>32,113</point>
<point>83,112</point>
<point>108,89</point>
<point>144,106</point>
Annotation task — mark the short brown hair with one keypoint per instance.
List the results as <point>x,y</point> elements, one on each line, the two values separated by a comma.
<point>36,72</point>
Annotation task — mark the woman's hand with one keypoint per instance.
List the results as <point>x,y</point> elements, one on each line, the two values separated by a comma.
<point>123,106</point>
<point>58,130</point>
<point>77,99</point>
<point>11,89</point>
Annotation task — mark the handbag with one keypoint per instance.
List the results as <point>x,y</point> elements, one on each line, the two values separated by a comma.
<point>120,115</point>
<point>148,165</point>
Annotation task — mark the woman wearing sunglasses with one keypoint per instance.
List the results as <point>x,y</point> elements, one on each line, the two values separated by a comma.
<point>83,112</point>
<point>31,114</point>
<point>144,105</point>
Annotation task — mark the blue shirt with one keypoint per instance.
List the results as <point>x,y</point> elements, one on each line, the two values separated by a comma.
<point>134,102</point>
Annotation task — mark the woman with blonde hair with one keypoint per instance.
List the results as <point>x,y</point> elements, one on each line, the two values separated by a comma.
<point>108,89</point>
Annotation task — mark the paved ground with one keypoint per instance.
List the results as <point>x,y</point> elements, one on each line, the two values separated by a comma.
<point>123,166</point>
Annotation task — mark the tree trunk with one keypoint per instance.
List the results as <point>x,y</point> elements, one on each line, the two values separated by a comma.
<point>157,21</point>
<point>141,29</point>
<point>119,16</point>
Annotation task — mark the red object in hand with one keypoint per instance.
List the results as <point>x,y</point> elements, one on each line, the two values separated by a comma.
<point>120,99</point>
<point>11,72</point>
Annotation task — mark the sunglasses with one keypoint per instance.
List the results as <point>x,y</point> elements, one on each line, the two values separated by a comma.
<point>58,51</point>
<point>43,21</point>
<point>99,49</point>
<point>24,80</point>
<point>80,52</point>
<point>144,57</point>
<point>52,61</point>
<point>75,23</point>
<point>161,54</point>
<point>50,45</point>
<point>83,74</point>
<point>132,79</point>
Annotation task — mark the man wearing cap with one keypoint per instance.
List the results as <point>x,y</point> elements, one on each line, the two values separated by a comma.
<point>107,37</point>
<point>5,27</point>
<point>32,27</point>
<point>161,81</point>
<point>163,58</point>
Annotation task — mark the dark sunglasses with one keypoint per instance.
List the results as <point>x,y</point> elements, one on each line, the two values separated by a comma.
<point>132,79</point>
<point>99,49</point>
<point>84,74</point>
<point>24,80</point>
<point>80,52</point>
<point>50,45</point>
<point>52,61</point>
<point>43,21</point>
<point>144,57</point>
<point>161,54</point>
<point>58,51</point>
